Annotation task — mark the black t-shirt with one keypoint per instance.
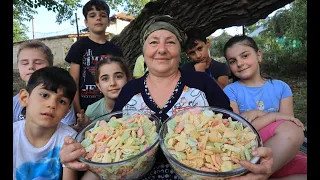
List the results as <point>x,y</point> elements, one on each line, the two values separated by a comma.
<point>87,54</point>
<point>215,70</point>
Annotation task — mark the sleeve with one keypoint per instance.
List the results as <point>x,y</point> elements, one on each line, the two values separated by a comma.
<point>229,91</point>
<point>215,95</point>
<point>223,69</point>
<point>285,90</point>
<point>138,70</point>
<point>75,53</point>
<point>70,118</point>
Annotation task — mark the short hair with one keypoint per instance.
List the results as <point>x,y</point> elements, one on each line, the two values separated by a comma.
<point>53,78</point>
<point>108,60</point>
<point>36,44</point>
<point>194,34</point>
<point>98,4</point>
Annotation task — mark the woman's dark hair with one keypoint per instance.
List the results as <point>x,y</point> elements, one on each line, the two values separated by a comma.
<point>108,60</point>
<point>245,40</point>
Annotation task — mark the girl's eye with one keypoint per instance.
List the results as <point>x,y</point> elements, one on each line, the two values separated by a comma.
<point>119,77</point>
<point>105,79</point>
<point>245,55</point>
<point>44,95</point>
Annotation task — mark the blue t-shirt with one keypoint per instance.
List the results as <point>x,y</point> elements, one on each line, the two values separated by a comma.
<point>265,98</point>
<point>69,119</point>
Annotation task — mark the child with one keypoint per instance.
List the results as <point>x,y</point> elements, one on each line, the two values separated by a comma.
<point>111,74</point>
<point>264,102</point>
<point>197,49</point>
<point>87,52</point>
<point>38,140</point>
<point>33,55</point>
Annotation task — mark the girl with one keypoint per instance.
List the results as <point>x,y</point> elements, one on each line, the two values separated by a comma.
<point>111,74</point>
<point>267,104</point>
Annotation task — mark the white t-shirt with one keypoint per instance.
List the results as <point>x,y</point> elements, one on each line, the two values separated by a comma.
<point>34,163</point>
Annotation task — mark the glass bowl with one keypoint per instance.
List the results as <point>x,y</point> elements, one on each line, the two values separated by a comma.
<point>131,168</point>
<point>189,173</point>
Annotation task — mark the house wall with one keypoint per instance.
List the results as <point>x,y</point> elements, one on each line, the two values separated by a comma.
<point>58,46</point>
<point>116,28</point>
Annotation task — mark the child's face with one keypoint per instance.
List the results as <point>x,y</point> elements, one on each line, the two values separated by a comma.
<point>30,60</point>
<point>111,80</point>
<point>97,21</point>
<point>44,108</point>
<point>244,61</point>
<point>199,53</point>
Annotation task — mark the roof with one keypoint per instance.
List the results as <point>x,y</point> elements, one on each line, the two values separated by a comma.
<point>122,16</point>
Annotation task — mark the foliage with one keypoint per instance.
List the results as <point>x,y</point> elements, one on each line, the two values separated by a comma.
<point>250,29</point>
<point>217,44</point>
<point>19,32</point>
<point>284,42</point>
<point>23,10</point>
<point>132,7</point>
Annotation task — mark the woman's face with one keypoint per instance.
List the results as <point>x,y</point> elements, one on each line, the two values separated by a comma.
<point>162,52</point>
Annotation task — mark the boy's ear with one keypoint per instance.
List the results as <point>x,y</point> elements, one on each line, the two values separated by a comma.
<point>23,97</point>
<point>259,53</point>
<point>86,23</point>
<point>208,43</point>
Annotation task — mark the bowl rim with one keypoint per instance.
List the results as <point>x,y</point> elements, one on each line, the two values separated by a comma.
<point>108,116</point>
<point>202,173</point>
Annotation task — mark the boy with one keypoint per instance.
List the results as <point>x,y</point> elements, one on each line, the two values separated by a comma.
<point>38,140</point>
<point>33,55</point>
<point>197,49</point>
<point>87,52</point>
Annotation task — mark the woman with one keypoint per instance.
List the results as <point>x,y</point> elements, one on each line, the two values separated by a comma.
<point>165,89</point>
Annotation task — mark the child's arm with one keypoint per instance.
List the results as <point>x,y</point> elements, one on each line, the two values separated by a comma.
<point>252,114</point>
<point>286,106</point>
<point>75,73</point>
<point>69,174</point>
<point>269,118</point>
<point>235,107</point>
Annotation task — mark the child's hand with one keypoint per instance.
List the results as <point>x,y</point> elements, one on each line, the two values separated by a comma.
<point>280,116</point>
<point>252,115</point>
<point>82,119</point>
<point>69,153</point>
<point>200,66</point>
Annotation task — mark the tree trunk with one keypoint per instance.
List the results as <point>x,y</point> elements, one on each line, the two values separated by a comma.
<point>209,15</point>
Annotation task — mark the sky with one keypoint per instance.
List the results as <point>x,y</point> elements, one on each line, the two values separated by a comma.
<point>44,24</point>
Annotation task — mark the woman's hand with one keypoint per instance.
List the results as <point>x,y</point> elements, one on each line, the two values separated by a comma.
<point>260,171</point>
<point>69,153</point>
<point>252,115</point>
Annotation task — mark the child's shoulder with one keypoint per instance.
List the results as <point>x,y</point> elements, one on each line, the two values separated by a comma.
<point>65,130</point>
<point>234,85</point>
<point>277,82</point>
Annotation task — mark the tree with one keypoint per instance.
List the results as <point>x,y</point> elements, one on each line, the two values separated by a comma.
<point>207,14</point>
<point>23,10</point>
<point>132,7</point>
<point>217,44</point>
<point>19,32</point>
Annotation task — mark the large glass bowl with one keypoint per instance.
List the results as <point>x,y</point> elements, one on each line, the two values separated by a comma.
<point>131,168</point>
<point>188,173</point>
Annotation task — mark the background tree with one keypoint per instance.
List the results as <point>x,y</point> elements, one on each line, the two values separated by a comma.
<point>23,10</point>
<point>217,44</point>
<point>132,7</point>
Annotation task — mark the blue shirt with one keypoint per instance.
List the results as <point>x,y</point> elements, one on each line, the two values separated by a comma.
<point>265,98</point>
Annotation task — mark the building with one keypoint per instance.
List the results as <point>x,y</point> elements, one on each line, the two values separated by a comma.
<point>61,44</point>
